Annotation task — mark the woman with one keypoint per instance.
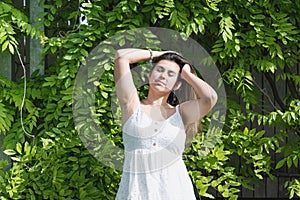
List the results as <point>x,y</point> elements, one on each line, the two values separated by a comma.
<point>153,129</point>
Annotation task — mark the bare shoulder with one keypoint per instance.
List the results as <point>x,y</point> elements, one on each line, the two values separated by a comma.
<point>190,111</point>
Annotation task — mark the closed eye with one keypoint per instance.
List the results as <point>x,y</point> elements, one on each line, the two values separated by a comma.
<point>160,69</point>
<point>171,73</point>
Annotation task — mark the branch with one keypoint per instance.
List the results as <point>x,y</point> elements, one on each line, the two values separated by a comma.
<point>274,90</point>
<point>24,94</point>
<point>291,85</point>
<point>263,91</point>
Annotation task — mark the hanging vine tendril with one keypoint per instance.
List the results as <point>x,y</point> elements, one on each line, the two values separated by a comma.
<point>24,95</point>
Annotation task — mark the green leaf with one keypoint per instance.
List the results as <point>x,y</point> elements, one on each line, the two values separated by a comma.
<point>259,134</point>
<point>260,16</point>
<point>148,2</point>
<point>9,152</point>
<point>27,148</point>
<point>147,8</point>
<point>69,57</point>
<point>4,45</point>
<point>72,158</point>
<point>11,48</point>
<point>280,163</point>
<point>19,148</point>
<point>87,5</point>
<point>295,160</point>
<point>258,157</point>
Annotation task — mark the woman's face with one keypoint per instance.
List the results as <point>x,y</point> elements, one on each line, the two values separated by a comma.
<point>164,75</point>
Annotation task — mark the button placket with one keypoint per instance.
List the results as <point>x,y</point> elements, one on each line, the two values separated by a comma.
<point>155,127</point>
<point>155,130</point>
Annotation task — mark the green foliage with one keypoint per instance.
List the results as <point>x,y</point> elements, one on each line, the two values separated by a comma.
<point>244,37</point>
<point>12,21</point>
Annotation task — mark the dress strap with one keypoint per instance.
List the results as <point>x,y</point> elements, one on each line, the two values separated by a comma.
<point>178,113</point>
<point>178,109</point>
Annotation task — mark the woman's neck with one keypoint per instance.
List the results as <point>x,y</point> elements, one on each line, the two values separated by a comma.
<point>156,100</point>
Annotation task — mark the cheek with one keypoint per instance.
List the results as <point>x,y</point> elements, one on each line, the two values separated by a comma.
<point>172,82</point>
<point>151,76</point>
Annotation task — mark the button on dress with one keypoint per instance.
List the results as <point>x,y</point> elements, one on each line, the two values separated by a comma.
<point>153,167</point>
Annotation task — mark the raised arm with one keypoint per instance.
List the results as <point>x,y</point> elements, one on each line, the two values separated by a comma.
<point>125,88</point>
<point>206,97</point>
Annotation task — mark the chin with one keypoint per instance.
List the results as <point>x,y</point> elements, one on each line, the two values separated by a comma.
<point>160,88</point>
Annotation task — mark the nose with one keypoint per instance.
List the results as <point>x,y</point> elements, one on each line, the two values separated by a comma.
<point>163,75</point>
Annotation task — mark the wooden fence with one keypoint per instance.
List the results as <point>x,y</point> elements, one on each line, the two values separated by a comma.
<point>267,188</point>
<point>31,49</point>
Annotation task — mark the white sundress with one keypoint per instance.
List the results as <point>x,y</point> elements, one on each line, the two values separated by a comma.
<point>153,167</point>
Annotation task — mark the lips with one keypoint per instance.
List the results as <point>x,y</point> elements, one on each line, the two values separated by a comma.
<point>160,82</point>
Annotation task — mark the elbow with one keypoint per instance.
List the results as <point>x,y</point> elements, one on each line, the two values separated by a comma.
<point>118,55</point>
<point>122,57</point>
<point>213,99</point>
<point>210,100</point>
